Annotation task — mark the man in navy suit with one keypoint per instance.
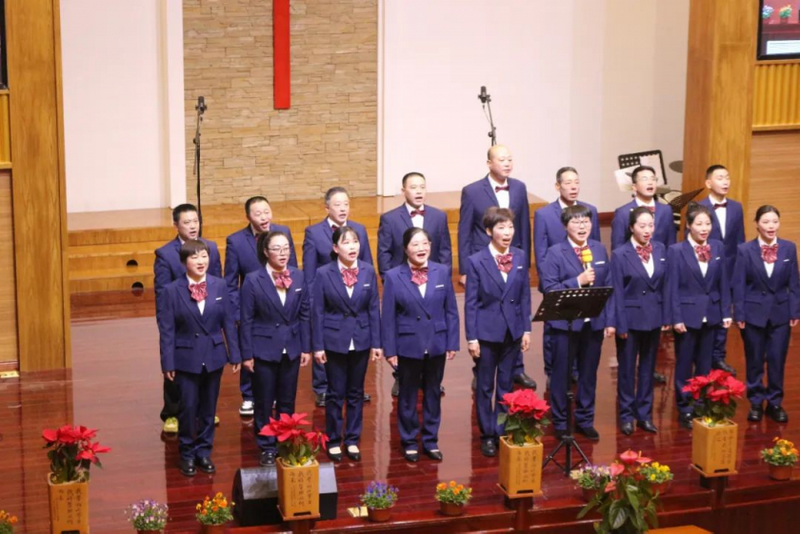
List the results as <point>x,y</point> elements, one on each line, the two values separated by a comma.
<point>413,213</point>
<point>727,225</point>
<point>497,189</point>
<point>548,230</point>
<point>168,268</point>
<point>317,248</point>
<point>241,258</point>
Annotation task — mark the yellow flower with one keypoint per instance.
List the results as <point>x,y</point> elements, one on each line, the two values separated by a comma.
<point>219,495</point>
<point>653,477</point>
<point>441,486</point>
<point>452,483</point>
<point>456,491</point>
<point>224,503</point>
<point>460,487</point>
<point>198,507</point>
<point>656,464</point>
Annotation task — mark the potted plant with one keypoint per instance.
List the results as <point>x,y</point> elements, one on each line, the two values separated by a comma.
<point>589,479</point>
<point>781,458</point>
<point>7,522</point>
<point>714,434</point>
<point>766,12</point>
<point>212,514</point>
<point>521,447</point>
<point>147,517</point>
<point>452,497</point>
<point>659,475</point>
<point>72,452</point>
<point>297,467</point>
<point>379,500</point>
<point>785,13</point>
<point>626,500</point>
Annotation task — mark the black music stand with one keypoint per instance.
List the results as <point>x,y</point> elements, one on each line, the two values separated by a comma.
<point>570,305</point>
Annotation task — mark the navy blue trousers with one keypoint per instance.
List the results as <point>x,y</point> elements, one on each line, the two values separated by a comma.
<point>414,373</point>
<point>273,382</point>
<point>720,344</point>
<point>319,380</point>
<point>635,389</point>
<point>172,400</point>
<point>495,375</point>
<point>586,345</point>
<point>246,385</point>
<point>346,374</point>
<point>518,366</point>
<point>767,345</point>
<point>199,393</point>
<point>692,358</point>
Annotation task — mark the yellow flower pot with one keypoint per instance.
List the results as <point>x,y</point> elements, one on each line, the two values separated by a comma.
<point>714,448</point>
<point>520,467</point>
<point>298,489</point>
<point>69,507</point>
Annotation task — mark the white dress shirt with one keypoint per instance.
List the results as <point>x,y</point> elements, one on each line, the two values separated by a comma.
<point>651,204</point>
<point>563,205</point>
<point>503,197</point>
<point>280,290</point>
<point>768,266</point>
<point>202,304</point>
<point>417,221</point>
<point>649,266</point>
<point>342,266</point>
<point>721,213</point>
<point>333,223</point>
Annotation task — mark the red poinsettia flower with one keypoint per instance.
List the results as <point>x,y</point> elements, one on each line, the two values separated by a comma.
<point>317,439</point>
<point>720,395</point>
<point>90,452</point>
<point>611,486</point>
<point>285,428</point>
<point>736,387</point>
<point>84,433</point>
<point>50,435</point>
<point>718,377</point>
<point>525,403</point>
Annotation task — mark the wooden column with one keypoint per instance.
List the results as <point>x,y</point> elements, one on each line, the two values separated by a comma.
<point>719,91</point>
<point>37,182</point>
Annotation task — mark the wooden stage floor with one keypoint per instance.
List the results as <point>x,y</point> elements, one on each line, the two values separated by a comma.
<point>115,386</point>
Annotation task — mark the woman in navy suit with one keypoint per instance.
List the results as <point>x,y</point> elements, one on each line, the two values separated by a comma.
<point>274,330</point>
<point>699,299</point>
<point>766,297</point>
<point>345,327</point>
<point>194,314</point>
<point>420,329</point>
<point>638,271</point>
<point>497,312</point>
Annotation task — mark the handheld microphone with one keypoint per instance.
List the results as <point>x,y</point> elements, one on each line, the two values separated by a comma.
<point>483,96</point>
<point>201,104</point>
<point>586,259</point>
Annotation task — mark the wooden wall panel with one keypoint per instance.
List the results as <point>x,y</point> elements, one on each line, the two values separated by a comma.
<point>5,131</point>
<point>8,303</point>
<point>37,152</point>
<point>776,95</point>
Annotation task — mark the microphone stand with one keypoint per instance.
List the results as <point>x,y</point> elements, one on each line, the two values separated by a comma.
<point>201,107</point>
<point>486,98</point>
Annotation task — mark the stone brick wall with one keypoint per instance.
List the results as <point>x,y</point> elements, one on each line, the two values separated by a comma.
<point>328,137</point>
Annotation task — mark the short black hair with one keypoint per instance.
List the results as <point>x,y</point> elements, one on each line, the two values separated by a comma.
<point>334,190</point>
<point>337,236</point>
<point>636,212</point>
<point>253,200</point>
<point>192,247</point>
<point>263,242</point>
<point>641,168</point>
<point>693,210</point>
<point>711,170</point>
<point>560,173</point>
<point>766,208</point>
<point>411,174</point>
<point>575,212</point>
<point>494,216</point>
<point>182,208</point>
<point>409,234</point>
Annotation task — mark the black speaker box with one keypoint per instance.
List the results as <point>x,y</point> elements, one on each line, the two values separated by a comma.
<point>255,492</point>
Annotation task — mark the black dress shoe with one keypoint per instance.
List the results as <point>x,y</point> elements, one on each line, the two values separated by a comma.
<point>319,400</point>
<point>658,378</point>
<point>756,413</point>
<point>411,456</point>
<point>588,431</point>
<point>647,426</point>
<point>434,454</point>
<point>335,456</point>
<point>685,420</point>
<point>206,465</point>
<point>267,459</point>
<point>722,365</point>
<point>367,397</point>
<point>396,388</point>
<point>187,468</point>
<point>353,453</point>
<point>777,414</point>
<point>627,428</point>
<point>560,432</point>
<point>525,381</point>
<point>488,448</point>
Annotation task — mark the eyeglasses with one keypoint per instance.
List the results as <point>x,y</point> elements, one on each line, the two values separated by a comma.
<point>647,179</point>
<point>279,250</point>
<point>580,222</point>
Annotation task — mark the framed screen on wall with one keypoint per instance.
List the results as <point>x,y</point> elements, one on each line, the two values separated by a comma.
<point>779,29</point>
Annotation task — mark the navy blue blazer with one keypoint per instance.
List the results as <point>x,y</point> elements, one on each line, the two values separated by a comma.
<point>690,295</point>
<point>393,225</point>
<point>266,327</point>
<point>318,245</point>
<point>168,266</point>
<point>664,228</point>
<point>241,257</point>
<point>560,271</point>
<point>476,198</point>
<point>759,299</point>
<point>493,307</point>
<point>734,229</point>
<point>336,318</point>
<point>638,298</point>
<point>413,325</point>
<point>189,340</point>
<point>548,230</point>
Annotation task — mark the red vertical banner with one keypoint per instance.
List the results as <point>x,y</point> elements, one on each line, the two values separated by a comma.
<point>282,60</point>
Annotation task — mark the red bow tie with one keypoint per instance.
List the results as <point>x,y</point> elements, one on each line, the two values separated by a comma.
<point>421,212</point>
<point>578,250</point>
<point>419,276</point>
<point>769,253</point>
<point>504,262</point>
<point>720,205</point>
<point>334,227</point>
<point>644,252</point>
<point>651,208</point>
<point>499,188</point>
<point>350,276</point>
<point>703,252</point>
<point>199,291</point>
<point>283,279</point>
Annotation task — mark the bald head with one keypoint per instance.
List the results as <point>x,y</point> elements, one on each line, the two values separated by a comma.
<point>500,163</point>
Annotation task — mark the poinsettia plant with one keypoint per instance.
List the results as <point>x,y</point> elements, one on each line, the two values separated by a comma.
<point>526,418</point>
<point>714,396</point>
<point>626,498</point>
<point>296,446</point>
<point>72,452</point>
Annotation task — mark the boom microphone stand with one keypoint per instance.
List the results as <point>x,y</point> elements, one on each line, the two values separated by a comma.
<point>487,104</point>
<point>200,107</point>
